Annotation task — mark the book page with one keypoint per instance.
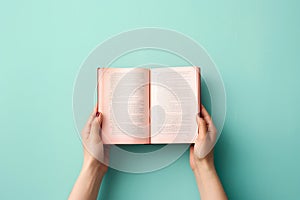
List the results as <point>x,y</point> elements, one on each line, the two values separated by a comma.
<point>123,99</point>
<point>175,102</point>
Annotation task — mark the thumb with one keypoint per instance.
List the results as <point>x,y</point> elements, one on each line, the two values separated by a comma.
<point>202,128</point>
<point>95,129</point>
<point>100,118</point>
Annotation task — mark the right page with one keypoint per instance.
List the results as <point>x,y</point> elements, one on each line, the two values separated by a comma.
<point>175,102</point>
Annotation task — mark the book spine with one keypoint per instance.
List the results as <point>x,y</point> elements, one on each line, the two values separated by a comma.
<point>198,74</point>
<point>149,106</point>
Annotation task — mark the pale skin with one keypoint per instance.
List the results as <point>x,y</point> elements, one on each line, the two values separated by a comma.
<point>201,160</point>
<point>208,182</point>
<point>92,172</point>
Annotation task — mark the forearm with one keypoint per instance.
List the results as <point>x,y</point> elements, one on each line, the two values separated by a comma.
<point>88,183</point>
<point>209,184</point>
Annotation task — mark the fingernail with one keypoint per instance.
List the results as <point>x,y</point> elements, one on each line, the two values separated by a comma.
<point>97,114</point>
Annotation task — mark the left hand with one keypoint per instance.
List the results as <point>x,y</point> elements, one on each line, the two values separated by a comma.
<point>95,154</point>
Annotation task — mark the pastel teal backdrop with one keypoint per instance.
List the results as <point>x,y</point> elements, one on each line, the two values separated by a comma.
<point>255,45</point>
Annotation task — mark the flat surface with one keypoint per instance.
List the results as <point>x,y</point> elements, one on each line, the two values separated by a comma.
<point>255,45</point>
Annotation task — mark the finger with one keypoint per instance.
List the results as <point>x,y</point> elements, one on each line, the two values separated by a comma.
<point>87,127</point>
<point>191,153</point>
<point>100,118</point>
<point>106,154</point>
<point>202,128</point>
<point>95,131</point>
<point>205,114</point>
<point>198,120</point>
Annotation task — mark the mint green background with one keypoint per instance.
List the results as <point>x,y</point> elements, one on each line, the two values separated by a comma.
<point>255,45</point>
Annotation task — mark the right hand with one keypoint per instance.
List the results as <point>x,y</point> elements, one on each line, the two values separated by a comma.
<point>201,154</point>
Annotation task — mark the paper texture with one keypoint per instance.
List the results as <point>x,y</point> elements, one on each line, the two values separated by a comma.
<point>124,102</point>
<point>176,90</point>
<point>128,96</point>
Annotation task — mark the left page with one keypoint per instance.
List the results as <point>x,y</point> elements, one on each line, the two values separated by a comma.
<point>123,99</point>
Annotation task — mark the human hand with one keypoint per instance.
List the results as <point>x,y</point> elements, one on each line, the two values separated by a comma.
<point>95,153</point>
<point>201,154</point>
<point>95,160</point>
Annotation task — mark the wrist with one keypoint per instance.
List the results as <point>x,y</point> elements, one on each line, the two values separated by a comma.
<point>204,165</point>
<point>204,170</point>
<point>94,167</point>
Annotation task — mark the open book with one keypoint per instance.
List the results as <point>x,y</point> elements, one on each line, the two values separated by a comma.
<point>149,106</point>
